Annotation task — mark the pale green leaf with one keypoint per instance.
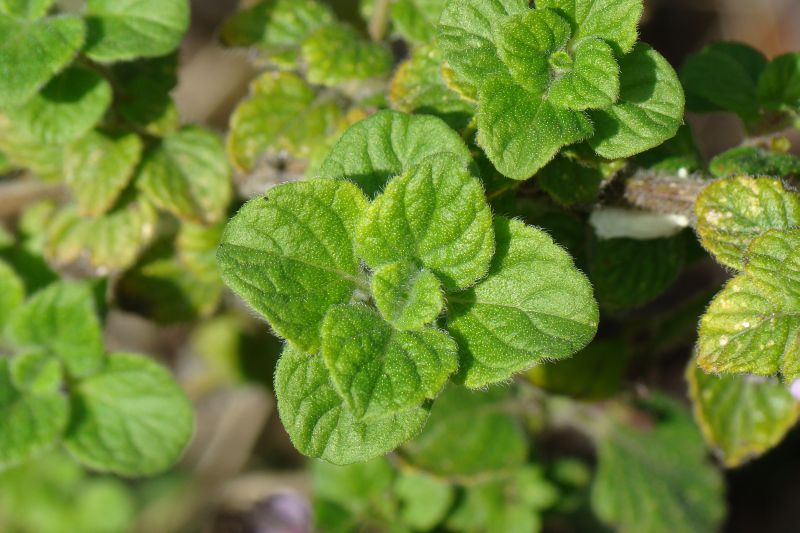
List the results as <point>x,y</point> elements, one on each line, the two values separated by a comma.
<point>121,30</point>
<point>56,39</point>
<point>36,372</point>
<point>196,246</point>
<point>66,108</point>
<point>387,144</point>
<point>42,160</point>
<point>754,161</point>
<point>290,254</point>
<point>649,110</point>
<point>276,25</point>
<point>12,293</point>
<point>589,80</point>
<point>434,213</point>
<point>61,319</point>
<point>416,20</point>
<point>131,418</point>
<point>533,306</point>
<point>356,487</point>
<point>29,9</point>
<point>779,86</point>
<point>379,370</point>
<point>187,174</point>
<point>741,416</point>
<point>337,54</point>
<point>424,500</point>
<point>732,212</point>
<point>407,296</point>
<point>614,21</point>
<point>98,167</point>
<point>319,423</point>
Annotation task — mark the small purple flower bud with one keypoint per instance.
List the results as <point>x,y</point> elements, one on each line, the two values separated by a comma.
<point>794,388</point>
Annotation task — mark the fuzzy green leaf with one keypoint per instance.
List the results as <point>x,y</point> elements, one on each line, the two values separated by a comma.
<point>275,25</point>
<point>731,212</point>
<point>56,39</point>
<point>32,422</point>
<point>752,325</point>
<point>36,372</point>
<point>379,370</point>
<point>12,293</point>
<point>649,110</point>
<point>741,416</point>
<point>569,182</point>
<point>754,161</point>
<point>66,108</point>
<point>387,144</point>
<point>407,296</point>
<point>434,213</point>
<point>779,86</point>
<point>614,21</point>
<point>416,20</point>
<point>468,30</point>
<point>591,82</point>
<point>533,306</point>
<point>319,423</point>
<point>424,499</point>
<point>290,254</point>
<point>336,54</point>
<point>131,418</point>
<point>187,174</point>
<point>29,9</point>
<point>121,30</point>
<point>98,167</point>
<point>61,320</point>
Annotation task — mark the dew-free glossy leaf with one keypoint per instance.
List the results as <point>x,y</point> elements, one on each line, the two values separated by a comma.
<point>290,255</point>
<point>12,293</point>
<point>649,110</point>
<point>187,174</point>
<point>779,86</point>
<point>614,21</point>
<point>319,423</point>
<point>121,30</point>
<point>56,39</point>
<point>387,144</point>
<point>98,167</point>
<point>416,20</point>
<point>731,212</point>
<point>434,213</point>
<point>336,54</point>
<point>61,319</point>
<point>131,418</point>
<point>741,417</point>
<point>591,81</point>
<point>407,296</point>
<point>533,306</point>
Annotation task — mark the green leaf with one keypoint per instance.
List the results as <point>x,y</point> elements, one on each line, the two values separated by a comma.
<point>732,212</point>
<point>36,372</point>
<point>57,40</point>
<point>649,110</point>
<point>754,161</point>
<point>187,174</point>
<point>337,54</point>
<point>418,86</point>
<point>131,418</point>
<point>378,370</point>
<point>42,160</point>
<point>98,167</point>
<point>779,86</point>
<point>12,294</point>
<point>67,107</point>
<point>741,416</point>
<point>121,30</point>
<point>424,500</point>
<point>290,255</point>
<point>477,417</point>
<point>592,80</point>
<point>657,480</point>
<point>387,144</point>
<point>32,422</point>
<point>416,20</point>
<point>407,296</point>
<point>533,306</point>
<point>61,319</point>
<point>569,182</point>
<point>678,153</point>
<point>521,131</point>
<point>614,21</point>
<point>319,423</point>
<point>29,9</point>
<point>434,213</point>
<point>142,93</point>
<point>752,325</point>
<point>196,246</point>
<point>358,487</point>
<point>467,33</point>
<point>276,25</point>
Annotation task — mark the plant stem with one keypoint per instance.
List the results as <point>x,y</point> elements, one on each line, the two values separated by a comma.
<point>380,20</point>
<point>16,195</point>
<point>663,193</point>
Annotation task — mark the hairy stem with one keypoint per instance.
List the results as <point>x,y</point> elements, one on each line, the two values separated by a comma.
<point>663,193</point>
<point>380,19</point>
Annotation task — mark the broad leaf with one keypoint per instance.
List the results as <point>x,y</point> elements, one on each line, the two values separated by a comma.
<point>754,161</point>
<point>614,21</point>
<point>569,182</point>
<point>732,212</point>
<point>37,372</point>
<point>336,54</point>
<point>98,167</point>
<point>387,144</point>
<point>416,20</point>
<point>131,418</point>
<point>66,108</point>
<point>142,93</point>
<point>379,370</point>
<point>741,416</point>
<point>533,306</point>
<point>319,423</point>
<point>425,500</point>
<point>407,296</point>
<point>56,39</point>
<point>29,9</point>
<point>121,30</point>
<point>196,247</point>
<point>290,255</point>
<point>364,489</point>
<point>434,213</point>
<point>12,293</point>
<point>649,110</point>
<point>590,80</point>
<point>275,25</point>
<point>779,86</point>
<point>187,174</point>
<point>61,320</point>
